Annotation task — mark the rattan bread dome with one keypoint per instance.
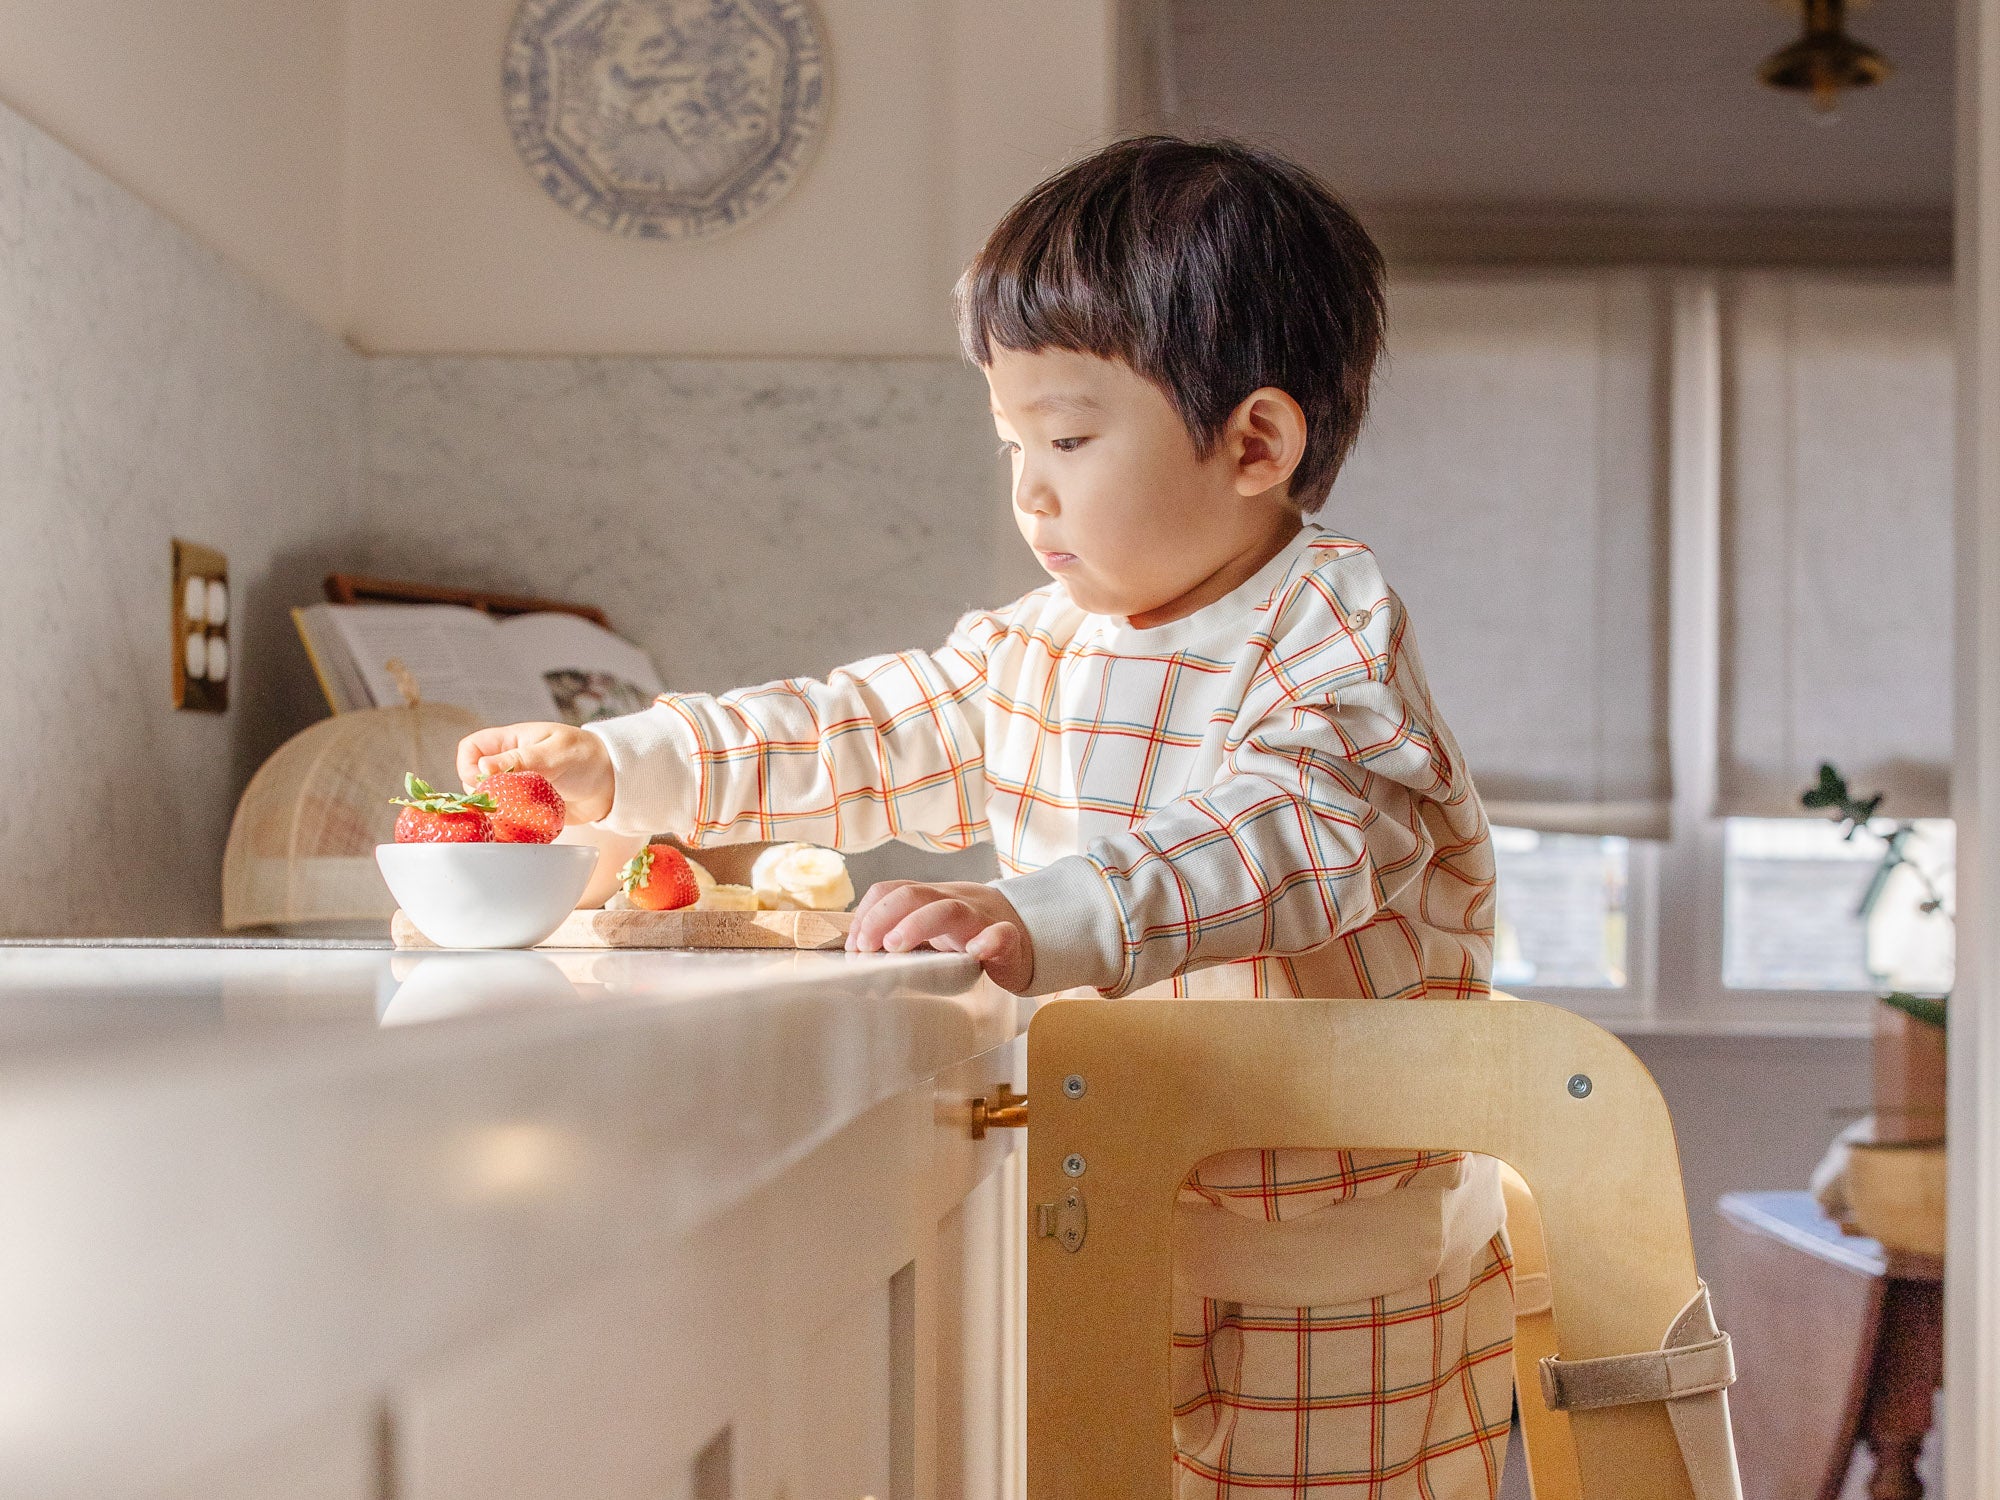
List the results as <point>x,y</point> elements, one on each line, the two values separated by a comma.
<point>301,852</point>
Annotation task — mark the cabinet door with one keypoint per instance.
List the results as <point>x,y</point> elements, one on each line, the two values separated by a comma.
<point>641,1387</point>
<point>830,1339</point>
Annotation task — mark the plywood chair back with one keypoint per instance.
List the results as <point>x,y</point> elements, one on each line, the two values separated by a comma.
<point>1128,1095</point>
<point>1551,1448</point>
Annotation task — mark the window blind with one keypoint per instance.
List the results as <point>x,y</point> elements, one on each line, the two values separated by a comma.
<point>1837,541</point>
<point>1512,480</point>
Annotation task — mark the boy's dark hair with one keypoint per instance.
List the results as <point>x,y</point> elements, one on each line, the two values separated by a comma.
<point>1211,268</point>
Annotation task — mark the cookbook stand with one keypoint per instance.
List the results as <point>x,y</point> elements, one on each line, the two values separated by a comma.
<point>1129,1095</point>
<point>359,588</point>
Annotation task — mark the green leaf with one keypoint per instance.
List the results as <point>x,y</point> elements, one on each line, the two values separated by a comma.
<point>1831,793</point>
<point>636,870</point>
<point>1831,790</point>
<point>1926,1008</point>
<point>420,794</point>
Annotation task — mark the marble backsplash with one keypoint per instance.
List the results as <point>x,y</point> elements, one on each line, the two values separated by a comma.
<point>740,519</point>
<point>147,390</point>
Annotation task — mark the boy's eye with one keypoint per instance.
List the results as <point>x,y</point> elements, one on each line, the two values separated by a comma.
<point>1007,447</point>
<point>1068,445</point>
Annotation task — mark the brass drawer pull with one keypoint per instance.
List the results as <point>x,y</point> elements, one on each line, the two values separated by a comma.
<point>1008,1110</point>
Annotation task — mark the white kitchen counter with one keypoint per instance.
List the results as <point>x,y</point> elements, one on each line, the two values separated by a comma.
<point>253,1192</point>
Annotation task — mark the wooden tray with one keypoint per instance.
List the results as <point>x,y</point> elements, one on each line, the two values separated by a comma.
<point>676,929</point>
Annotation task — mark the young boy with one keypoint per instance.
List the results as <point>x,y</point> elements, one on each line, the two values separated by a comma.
<point>1209,760</point>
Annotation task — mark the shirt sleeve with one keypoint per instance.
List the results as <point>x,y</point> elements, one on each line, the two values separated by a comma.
<point>1312,826</point>
<point>888,748</point>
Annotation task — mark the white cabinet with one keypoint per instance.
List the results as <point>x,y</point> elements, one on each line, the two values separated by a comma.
<point>333,1457</point>
<point>841,1333</point>
<point>692,1229</point>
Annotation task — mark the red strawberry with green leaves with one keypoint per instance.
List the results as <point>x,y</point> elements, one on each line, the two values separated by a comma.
<point>433,817</point>
<point>659,878</point>
<point>527,809</point>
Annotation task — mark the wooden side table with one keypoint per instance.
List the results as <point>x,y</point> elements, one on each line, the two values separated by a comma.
<point>1837,1341</point>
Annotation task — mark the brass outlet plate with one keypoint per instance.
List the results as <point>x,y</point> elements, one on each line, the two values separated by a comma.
<point>202,611</point>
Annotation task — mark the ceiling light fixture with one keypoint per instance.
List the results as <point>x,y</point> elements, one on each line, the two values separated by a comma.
<point>1826,59</point>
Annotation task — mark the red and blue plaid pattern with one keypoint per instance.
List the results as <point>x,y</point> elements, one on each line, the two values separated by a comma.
<point>1404,1397</point>
<point>1264,790</point>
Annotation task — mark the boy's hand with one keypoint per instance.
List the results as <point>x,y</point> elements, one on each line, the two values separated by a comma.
<point>577,763</point>
<point>955,916</point>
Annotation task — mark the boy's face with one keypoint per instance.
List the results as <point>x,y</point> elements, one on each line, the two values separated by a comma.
<point>1108,490</point>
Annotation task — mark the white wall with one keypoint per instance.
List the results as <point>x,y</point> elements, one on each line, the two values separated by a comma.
<point>223,114</point>
<point>147,390</point>
<point>353,156</point>
<point>941,113</point>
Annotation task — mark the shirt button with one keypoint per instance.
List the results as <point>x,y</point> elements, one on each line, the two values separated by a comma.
<point>1360,618</point>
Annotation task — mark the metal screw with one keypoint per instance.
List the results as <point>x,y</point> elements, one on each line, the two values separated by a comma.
<point>1579,1085</point>
<point>1073,1086</point>
<point>1073,1165</point>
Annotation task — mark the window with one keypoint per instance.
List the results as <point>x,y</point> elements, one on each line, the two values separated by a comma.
<point>1563,900</point>
<point>1805,908</point>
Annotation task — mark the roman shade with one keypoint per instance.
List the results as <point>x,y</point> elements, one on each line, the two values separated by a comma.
<point>1836,619</point>
<point>1512,479</point>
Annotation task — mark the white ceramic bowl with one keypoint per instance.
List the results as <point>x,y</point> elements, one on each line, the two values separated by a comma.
<point>486,895</point>
<point>440,985</point>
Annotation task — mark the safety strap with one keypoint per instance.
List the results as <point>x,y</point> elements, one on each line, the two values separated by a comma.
<point>1690,1372</point>
<point>1531,1293</point>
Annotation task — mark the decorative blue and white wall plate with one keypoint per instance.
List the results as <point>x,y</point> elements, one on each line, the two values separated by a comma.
<point>665,119</point>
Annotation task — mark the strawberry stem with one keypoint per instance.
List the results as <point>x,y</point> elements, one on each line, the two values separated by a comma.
<point>637,870</point>
<point>420,794</point>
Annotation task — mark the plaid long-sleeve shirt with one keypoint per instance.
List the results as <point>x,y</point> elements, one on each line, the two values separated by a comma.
<point>1258,799</point>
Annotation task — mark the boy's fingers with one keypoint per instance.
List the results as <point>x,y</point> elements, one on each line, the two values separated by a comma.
<point>1001,952</point>
<point>993,942</point>
<point>871,932</point>
<point>474,748</point>
<point>511,760</point>
<point>875,893</point>
<point>871,917</point>
<point>947,923</point>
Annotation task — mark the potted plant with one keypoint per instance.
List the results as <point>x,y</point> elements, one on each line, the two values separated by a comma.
<point>1892,1181</point>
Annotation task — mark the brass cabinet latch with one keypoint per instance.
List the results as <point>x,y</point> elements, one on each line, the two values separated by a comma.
<point>1006,1110</point>
<point>1062,1221</point>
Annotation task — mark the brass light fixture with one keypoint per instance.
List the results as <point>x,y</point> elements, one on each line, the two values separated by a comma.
<point>1826,59</point>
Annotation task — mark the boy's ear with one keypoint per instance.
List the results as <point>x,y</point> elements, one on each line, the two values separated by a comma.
<point>1266,437</point>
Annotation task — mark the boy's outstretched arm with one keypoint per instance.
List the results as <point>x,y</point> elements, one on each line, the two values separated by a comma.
<point>890,747</point>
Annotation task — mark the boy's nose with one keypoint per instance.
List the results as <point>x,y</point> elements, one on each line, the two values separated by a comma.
<point>1032,497</point>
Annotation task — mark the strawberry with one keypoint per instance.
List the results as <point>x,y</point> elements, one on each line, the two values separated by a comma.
<point>526,807</point>
<point>659,878</point>
<point>433,817</point>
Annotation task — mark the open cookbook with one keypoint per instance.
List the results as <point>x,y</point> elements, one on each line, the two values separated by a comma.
<point>546,665</point>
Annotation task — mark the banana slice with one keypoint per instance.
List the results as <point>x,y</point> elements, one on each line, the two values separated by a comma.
<point>801,877</point>
<point>727,898</point>
<point>703,881</point>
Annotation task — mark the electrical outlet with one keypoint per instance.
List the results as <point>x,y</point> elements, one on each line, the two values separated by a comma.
<point>201,610</point>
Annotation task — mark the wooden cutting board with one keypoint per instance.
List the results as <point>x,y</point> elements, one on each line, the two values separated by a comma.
<point>676,929</point>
